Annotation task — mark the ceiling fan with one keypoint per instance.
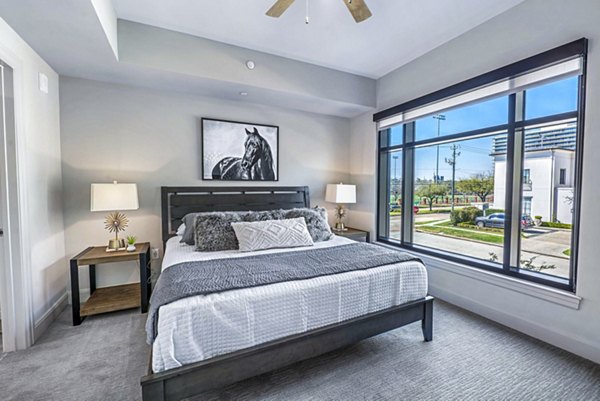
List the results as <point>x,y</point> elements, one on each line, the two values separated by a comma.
<point>357,8</point>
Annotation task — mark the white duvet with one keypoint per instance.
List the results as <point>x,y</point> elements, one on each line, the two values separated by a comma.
<point>204,326</point>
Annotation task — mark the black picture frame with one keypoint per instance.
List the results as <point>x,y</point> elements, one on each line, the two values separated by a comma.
<point>222,159</point>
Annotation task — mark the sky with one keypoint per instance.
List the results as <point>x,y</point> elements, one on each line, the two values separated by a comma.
<point>545,100</point>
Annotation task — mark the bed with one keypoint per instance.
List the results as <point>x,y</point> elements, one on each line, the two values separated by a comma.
<point>209,341</point>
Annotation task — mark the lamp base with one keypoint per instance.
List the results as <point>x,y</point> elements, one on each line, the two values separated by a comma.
<point>115,245</point>
<point>339,226</point>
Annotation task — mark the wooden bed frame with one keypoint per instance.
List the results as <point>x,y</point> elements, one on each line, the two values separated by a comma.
<point>195,378</point>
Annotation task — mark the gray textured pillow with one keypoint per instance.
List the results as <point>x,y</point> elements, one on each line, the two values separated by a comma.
<point>270,234</point>
<point>316,221</point>
<point>213,231</point>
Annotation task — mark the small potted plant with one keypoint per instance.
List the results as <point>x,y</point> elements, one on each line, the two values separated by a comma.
<point>538,221</point>
<point>131,243</point>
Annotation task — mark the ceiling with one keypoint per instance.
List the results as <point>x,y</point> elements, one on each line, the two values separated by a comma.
<point>327,67</point>
<point>398,32</point>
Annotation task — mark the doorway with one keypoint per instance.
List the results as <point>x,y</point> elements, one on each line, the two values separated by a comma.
<point>5,116</point>
<point>8,328</point>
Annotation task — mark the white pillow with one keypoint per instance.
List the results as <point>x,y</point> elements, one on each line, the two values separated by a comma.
<point>268,234</point>
<point>181,230</point>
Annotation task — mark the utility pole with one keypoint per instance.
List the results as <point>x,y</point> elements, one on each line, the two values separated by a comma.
<point>439,118</point>
<point>452,162</point>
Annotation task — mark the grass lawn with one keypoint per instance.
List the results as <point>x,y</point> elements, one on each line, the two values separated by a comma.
<point>422,211</point>
<point>466,234</point>
<point>427,211</point>
<point>420,223</point>
<point>557,225</point>
<point>474,227</point>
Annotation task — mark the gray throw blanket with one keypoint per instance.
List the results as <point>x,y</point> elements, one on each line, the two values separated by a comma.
<point>210,276</point>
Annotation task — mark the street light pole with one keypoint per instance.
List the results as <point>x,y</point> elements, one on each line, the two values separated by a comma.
<point>439,118</point>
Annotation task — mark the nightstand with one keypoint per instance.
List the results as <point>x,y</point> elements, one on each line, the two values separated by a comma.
<point>354,234</point>
<point>110,299</point>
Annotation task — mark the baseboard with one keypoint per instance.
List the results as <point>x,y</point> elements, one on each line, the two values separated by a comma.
<point>47,318</point>
<point>568,342</point>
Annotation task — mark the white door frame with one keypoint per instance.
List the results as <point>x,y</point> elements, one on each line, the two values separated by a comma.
<point>15,273</point>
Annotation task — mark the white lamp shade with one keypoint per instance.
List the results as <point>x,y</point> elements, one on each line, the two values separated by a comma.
<point>114,197</point>
<point>340,193</point>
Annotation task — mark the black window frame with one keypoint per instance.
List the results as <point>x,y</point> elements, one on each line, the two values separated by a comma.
<point>575,49</point>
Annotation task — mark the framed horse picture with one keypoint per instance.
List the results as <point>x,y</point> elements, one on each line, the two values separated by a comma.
<point>238,151</point>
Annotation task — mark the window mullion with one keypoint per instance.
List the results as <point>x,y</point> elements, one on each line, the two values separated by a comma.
<point>514,182</point>
<point>408,179</point>
<point>383,221</point>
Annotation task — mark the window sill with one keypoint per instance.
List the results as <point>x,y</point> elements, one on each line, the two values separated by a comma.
<point>559,297</point>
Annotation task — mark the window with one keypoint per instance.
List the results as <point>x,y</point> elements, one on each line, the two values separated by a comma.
<point>527,206</point>
<point>489,170</point>
<point>391,183</point>
<point>563,177</point>
<point>466,172</point>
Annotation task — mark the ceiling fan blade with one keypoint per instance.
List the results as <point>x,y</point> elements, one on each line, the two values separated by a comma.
<point>279,8</point>
<point>358,9</point>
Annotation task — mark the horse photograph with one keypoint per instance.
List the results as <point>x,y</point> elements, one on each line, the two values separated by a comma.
<point>237,151</point>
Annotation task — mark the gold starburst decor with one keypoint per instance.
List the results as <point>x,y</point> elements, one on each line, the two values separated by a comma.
<point>114,223</point>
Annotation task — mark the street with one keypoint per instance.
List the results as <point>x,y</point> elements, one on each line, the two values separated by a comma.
<point>544,245</point>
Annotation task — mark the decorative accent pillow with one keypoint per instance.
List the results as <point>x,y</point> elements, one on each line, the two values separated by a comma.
<point>316,221</point>
<point>180,230</point>
<point>213,232</point>
<point>188,234</point>
<point>269,234</point>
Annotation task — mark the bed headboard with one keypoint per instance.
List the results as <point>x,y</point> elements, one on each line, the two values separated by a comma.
<point>176,202</point>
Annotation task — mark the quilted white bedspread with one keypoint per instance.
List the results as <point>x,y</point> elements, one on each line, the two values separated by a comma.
<point>205,326</point>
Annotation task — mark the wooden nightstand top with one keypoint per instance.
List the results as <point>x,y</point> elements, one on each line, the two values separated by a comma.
<point>349,230</point>
<point>97,254</point>
<point>353,233</point>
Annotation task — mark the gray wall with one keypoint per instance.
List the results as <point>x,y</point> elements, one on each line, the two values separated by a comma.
<point>152,138</point>
<point>528,29</point>
<point>39,175</point>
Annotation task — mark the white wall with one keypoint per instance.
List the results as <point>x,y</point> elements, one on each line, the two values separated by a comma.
<point>153,138</point>
<point>40,178</point>
<point>363,164</point>
<point>499,182</point>
<point>528,29</point>
<point>541,168</point>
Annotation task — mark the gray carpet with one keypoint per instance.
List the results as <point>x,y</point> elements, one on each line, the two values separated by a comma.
<point>470,359</point>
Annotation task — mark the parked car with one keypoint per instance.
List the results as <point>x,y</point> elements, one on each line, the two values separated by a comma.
<point>497,220</point>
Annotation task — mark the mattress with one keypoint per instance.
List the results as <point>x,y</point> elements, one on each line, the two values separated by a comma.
<point>205,326</point>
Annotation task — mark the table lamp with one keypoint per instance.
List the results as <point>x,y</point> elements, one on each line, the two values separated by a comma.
<point>114,198</point>
<point>340,194</point>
